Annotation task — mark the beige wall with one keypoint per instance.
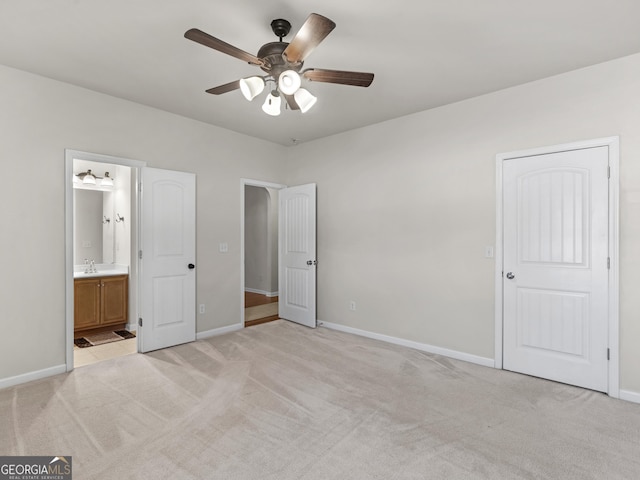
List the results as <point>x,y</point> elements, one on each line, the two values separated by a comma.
<point>406,207</point>
<point>40,119</point>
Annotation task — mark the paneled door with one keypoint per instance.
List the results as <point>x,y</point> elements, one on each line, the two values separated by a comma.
<point>168,303</point>
<point>297,254</point>
<point>555,278</point>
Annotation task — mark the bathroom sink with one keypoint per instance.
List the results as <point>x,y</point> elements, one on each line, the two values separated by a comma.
<point>106,270</point>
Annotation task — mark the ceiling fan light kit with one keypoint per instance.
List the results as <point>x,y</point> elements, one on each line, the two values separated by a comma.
<point>251,87</point>
<point>272,103</point>
<point>282,62</point>
<point>289,82</point>
<point>304,99</point>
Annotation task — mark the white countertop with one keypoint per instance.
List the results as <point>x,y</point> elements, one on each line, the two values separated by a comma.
<point>103,270</point>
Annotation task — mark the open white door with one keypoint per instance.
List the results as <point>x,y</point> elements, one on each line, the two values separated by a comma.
<point>297,254</point>
<point>168,239</point>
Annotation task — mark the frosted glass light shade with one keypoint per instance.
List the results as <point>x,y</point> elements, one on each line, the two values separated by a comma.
<point>271,105</point>
<point>289,82</point>
<point>251,87</point>
<point>304,99</point>
<point>89,179</point>
<point>107,181</point>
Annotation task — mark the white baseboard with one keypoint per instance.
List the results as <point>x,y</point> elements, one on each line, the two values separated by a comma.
<point>31,376</point>
<point>219,331</point>
<point>626,395</point>
<point>485,362</point>
<point>630,396</point>
<point>261,292</point>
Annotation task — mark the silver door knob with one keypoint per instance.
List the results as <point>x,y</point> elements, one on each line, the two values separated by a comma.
<point>312,262</point>
<point>510,276</point>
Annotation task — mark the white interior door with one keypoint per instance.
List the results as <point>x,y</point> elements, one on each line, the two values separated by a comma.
<point>297,254</point>
<point>168,278</point>
<point>555,279</point>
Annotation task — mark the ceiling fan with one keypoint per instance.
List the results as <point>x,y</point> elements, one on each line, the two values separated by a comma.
<point>282,62</point>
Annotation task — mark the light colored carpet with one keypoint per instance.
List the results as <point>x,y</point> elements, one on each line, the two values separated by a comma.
<point>279,401</point>
<point>260,311</point>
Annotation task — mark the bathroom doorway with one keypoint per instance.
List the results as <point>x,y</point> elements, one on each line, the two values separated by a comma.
<point>101,257</point>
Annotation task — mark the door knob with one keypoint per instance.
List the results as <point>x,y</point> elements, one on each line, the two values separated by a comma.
<point>191,266</point>
<point>510,276</point>
<point>312,262</point>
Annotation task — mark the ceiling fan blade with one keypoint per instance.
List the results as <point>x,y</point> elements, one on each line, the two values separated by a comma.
<point>313,31</point>
<point>291,101</point>
<point>212,42</point>
<point>357,79</point>
<point>227,87</point>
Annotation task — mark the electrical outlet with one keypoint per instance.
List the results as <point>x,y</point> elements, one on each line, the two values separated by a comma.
<point>223,247</point>
<point>352,306</point>
<point>201,308</point>
<point>488,252</point>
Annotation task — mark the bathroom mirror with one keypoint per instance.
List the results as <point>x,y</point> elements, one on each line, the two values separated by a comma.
<point>102,214</point>
<point>94,231</point>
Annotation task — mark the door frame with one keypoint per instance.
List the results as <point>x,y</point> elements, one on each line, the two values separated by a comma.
<point>613,144</point>
<point>135,165</point>
<point>252,183</point>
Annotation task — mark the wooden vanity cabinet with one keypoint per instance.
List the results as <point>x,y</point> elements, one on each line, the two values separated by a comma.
<point>100,302</point>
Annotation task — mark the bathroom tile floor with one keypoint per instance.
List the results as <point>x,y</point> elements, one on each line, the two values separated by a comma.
<point>87,356</point>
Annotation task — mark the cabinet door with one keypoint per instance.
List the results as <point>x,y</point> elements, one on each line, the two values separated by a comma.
<point>86,303</point>
<point>115,299</point>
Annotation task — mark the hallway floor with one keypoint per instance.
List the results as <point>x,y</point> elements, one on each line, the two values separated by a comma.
<point>255,303</point>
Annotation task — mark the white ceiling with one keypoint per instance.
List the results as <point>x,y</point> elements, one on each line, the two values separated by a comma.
<point>424,53</point>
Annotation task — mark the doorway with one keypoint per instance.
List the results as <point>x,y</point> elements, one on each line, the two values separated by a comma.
<point>556,268</point>
<point>101,227</point>
<point>259,252</point>
<point>296,259</point>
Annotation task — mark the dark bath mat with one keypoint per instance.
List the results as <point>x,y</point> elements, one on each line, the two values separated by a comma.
<point>125,334</point>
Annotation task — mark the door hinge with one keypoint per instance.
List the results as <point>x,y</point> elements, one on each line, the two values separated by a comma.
<point>140,322</point>
<point>608,172</point>
<point>608,263</point>
<point>608,354</point>
<point>140,254</point>
<point>140,187</point>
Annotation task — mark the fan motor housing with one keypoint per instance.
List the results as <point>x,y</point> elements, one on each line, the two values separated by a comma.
<point>275,62</point>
